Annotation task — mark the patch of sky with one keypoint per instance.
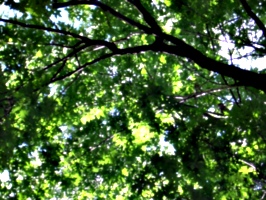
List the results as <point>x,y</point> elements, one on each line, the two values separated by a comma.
<point>166,147</point>
<point>240,57</point>
<point>4,176</point>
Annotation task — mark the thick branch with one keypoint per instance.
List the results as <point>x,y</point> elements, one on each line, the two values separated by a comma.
<point>253,16</point>
<point>245,77</point>
<point>180,48</point>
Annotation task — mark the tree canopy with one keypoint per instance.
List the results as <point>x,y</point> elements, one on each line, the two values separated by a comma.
<point>132,99</point>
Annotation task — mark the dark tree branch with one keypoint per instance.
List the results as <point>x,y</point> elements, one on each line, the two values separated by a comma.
<point>39,27</point>
<point>87,41</point>
<point>66,57</point>
<point>211,38</point>
<point>82,67</point>
<point>147,16</point>
<point>59,69</point>
<point>182,49</point>
<point>231,92</point>
<point>106,8</point>
<point>131,50</point>
<point>250,44</point>
<point>254,17</point>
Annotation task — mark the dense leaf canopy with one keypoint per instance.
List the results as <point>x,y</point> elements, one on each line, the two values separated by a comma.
<point>132,99</point>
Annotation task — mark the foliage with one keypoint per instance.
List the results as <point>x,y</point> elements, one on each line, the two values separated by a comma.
<point>132,99</point>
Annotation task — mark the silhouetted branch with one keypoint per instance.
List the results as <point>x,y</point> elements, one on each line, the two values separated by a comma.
<point>131,50</point>
<point>106,8</point>
<point>147,16</point>
<point>65,57</point>
<point>39,27</point>
<point>254,17</point>
<point>87,41</point>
